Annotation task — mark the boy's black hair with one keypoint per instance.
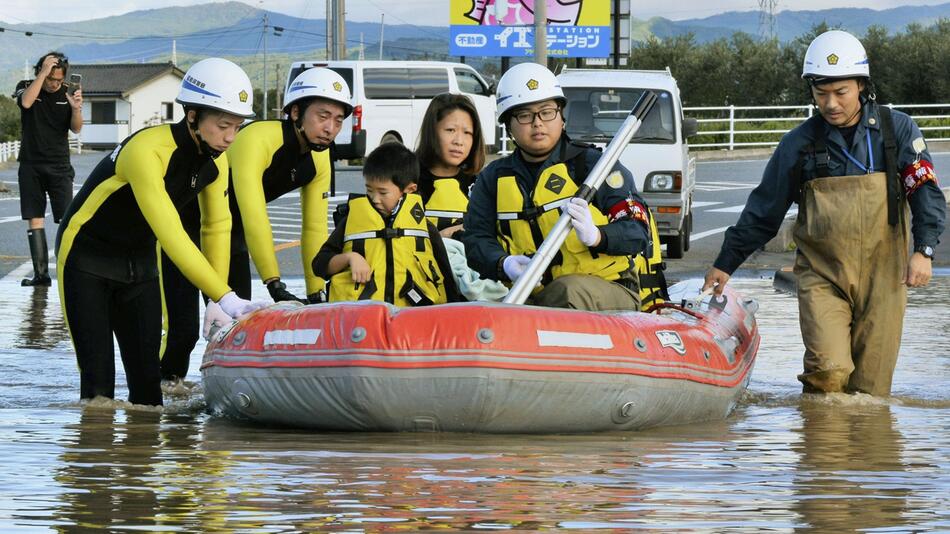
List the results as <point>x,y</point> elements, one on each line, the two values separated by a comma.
<point>393,162</point>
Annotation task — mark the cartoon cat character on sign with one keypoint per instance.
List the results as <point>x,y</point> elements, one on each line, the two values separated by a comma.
<point>515,12</point>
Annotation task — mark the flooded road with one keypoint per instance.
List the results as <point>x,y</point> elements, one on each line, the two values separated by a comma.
<point>780,462</point>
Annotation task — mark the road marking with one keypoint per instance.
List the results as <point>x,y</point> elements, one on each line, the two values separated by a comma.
<point>723,186</point>
<point>699,235</point>
<point>729,209</point>
<point>702,204</point>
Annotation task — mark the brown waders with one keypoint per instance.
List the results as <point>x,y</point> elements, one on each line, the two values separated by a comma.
<point>851,295</point>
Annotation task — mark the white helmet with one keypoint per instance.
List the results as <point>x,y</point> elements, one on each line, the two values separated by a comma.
<point>319,83</point>
<point>527,83</point>
<point>835,55</point>
<point>218,84</point>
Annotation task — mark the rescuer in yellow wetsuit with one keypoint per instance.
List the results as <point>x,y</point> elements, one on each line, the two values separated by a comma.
<point>383,248</point>
<point>106,245</point>
<point>268,159</point>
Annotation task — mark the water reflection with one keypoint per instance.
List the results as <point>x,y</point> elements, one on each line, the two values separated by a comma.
<point>851,473</point>
<point>41,328</point>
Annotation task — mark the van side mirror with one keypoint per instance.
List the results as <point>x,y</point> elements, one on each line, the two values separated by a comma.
<point>690,127</point>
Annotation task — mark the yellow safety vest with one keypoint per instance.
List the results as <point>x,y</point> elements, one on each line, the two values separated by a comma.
<point>522,231</point>
<point>650,270</point>
<point>448,203</point>
<point>405,272</point>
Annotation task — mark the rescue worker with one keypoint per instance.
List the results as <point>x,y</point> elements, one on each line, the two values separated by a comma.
<point>514,204</point>
<point>451,152</point>
<point>268,159</point>
<point>383,247</point>
<point>853,168</point>
<point>47,113</point>
<point>106,245</point>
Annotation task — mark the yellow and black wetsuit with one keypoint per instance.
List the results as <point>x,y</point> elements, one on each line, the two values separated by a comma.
<point>107,255</point>
<point>267,163</point>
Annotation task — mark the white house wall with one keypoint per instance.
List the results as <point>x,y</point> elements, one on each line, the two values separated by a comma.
<point>146,102</point>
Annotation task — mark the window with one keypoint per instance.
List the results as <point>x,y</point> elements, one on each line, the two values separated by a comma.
<point>103,112</point>
<point>598,112</point>
<point>470,83</point>
<point>404,83</point>
<point>168,111</point>
<point>426,83</point>
<point>387,83</point>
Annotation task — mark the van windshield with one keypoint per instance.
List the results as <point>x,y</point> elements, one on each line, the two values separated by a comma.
<point>595,114</point>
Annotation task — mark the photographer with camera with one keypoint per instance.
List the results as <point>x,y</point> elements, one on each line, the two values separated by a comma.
<point>47,111</point>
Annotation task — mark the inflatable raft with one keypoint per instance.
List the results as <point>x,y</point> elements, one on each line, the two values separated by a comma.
<point>483,367</point>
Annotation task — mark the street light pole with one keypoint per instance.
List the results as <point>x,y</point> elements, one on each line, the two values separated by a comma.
<point>541,32</point>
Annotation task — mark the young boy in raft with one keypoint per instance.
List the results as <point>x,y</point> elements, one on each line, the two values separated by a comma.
<point>383,248</point>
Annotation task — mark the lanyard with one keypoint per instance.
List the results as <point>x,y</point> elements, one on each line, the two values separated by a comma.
<point>870,167</point>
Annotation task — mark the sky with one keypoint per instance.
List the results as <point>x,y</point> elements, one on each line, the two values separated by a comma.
<point>422,12</point>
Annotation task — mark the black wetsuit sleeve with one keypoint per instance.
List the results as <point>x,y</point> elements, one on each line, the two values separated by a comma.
<point>331,247</point>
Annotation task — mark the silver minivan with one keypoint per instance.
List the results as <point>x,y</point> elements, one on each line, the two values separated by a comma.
<point>599,100</point>
<point>390,98</point>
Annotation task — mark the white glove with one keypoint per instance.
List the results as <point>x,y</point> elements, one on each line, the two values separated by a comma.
<point>237,307</point>
<point>583,222</point>
<point>214,318</point>
<point>515,266</point>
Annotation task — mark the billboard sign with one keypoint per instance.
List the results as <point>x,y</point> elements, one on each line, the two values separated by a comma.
<point>576,28</point>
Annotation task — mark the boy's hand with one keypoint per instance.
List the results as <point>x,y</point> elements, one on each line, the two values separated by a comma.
<point>361,270</point>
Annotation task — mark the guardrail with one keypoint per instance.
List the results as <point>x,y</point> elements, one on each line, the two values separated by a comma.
<point>763,126</point>
<point>10,150</point>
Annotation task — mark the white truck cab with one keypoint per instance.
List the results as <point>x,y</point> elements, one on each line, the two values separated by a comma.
<point>598,101</point>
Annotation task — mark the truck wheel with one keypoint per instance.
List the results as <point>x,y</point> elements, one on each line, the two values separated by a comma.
<point>677,244</point>
<point>688,230</point>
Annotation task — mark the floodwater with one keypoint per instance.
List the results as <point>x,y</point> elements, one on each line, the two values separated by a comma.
<point>780,462</point>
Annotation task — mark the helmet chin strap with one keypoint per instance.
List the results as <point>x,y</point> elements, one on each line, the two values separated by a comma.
<point>203,146</point>
<point>316,147</point>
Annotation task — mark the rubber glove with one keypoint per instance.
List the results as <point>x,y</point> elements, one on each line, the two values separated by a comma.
<point>215,318</point>
<point>278,292</point>
<point>583,222</point>
<point>514,266</point>
<point>237,307</point>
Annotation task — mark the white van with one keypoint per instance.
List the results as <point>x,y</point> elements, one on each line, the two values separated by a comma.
<point>598,101</point>
<point>390,98</point>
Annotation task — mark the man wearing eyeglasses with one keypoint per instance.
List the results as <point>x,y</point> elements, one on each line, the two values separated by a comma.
<point>47,112</point>
<point>516,201</point>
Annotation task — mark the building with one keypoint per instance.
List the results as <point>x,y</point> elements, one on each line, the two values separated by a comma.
<point>121,98</point>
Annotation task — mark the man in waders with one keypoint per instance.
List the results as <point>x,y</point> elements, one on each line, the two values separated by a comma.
<point>853,169</point>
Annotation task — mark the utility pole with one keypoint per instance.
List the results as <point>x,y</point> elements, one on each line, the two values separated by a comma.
<point>264,107</point>
<point>382,25</point>
<point>330,26</point>
<point>174,54</point>
<point>278,95</point>
<point>541,32</point>
<point>340,19</point>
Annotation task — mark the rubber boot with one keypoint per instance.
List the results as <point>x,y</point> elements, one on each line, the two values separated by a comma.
<point>40,254</point>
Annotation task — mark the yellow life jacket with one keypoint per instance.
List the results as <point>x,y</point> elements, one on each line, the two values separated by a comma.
<point>405,272</point>
<point>521,229</point>
<point>650,270</point>
<point>448,203</point>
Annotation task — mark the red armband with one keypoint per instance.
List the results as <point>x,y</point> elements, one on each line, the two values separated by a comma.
<point>917,174</point>
<point>629,209</point>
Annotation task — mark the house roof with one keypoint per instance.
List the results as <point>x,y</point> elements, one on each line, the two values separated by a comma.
<point>117,79</point>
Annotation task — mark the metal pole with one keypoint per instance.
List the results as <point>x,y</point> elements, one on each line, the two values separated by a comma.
<point>330,40</point>
<point>340,33</point>
<point>552,242</point>
<point>616,34</point>
<point>264,107</point>
<point>382,25</point>
<point>541,32</point>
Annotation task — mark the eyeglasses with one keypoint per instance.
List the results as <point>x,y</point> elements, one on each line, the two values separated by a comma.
<point>527,117</point>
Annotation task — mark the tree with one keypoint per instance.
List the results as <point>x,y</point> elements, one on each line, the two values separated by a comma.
<point>9,119</point>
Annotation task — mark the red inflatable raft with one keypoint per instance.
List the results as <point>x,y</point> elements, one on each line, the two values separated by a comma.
<point>483,367</point>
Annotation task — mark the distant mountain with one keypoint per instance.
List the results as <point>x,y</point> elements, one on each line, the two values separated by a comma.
<point>791,24</point>
<point>236,30</point>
